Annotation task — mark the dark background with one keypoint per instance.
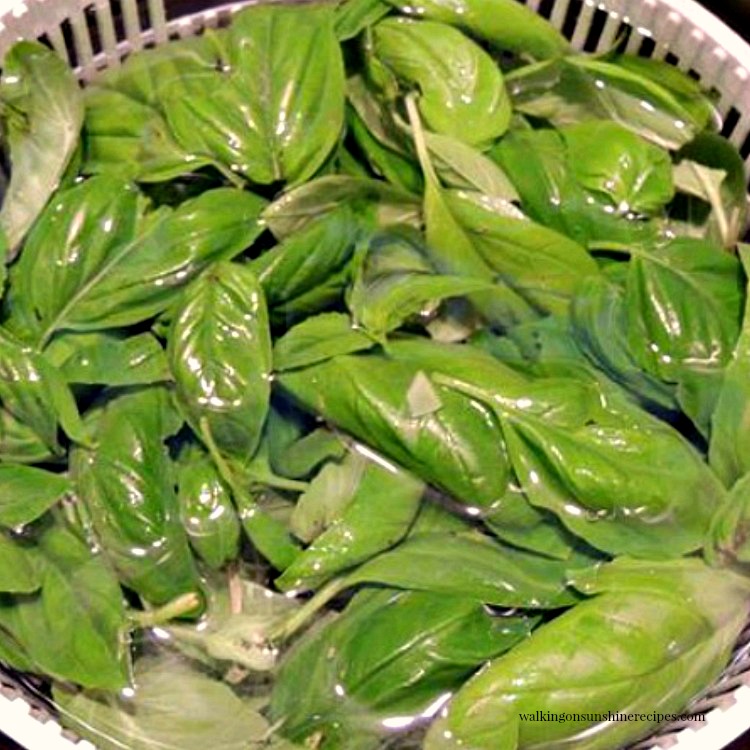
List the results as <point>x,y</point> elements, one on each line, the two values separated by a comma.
<point>737,14</point>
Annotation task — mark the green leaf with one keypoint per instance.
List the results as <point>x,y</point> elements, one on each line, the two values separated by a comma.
<point>504,24</point>
<point>220,356</point>
<point>580,88</point>
<point>727,539</point>
<point>21,568</point>
<point>456,447</point>
<point>127,488</point>
<point>87,647</point>
<point>462,93</point>
<point>131,270</point>
<point>173,706</point>
<point>26,493</point>
<point>471,566</point>
<point>354,16</point>
<point>383,503</point>
<point>729,449</point>
<point>109,358</point>
<point>629,173</point>
<point>207,512</point>
<point>329,494</point>
<point>391,653</point>
<point>653,636</point>
<point>317,339</point>
<point>43,112</point>
<point>379,202</point>
<point>268,117</point>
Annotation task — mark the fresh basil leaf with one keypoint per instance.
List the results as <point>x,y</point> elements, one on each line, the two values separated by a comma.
<point>727,539</point>
<point>173,706</point>
<point>382,507</point>
<point>352,17</point>
<point>109,358</point>
<point>301,457</point>
<point>21,568</point>
<point>624,651</point>
<point>267,117</point>
<point>87,647</point>
<point>207,512</point>
<point>42,113</point>
<point>729,454</point>
<point>462,92</point>
<point>127,488</point>
<point>317,339</point>
<point>131,269</point>
<point>382,204</point>
<point>504,24</point>
<point>27,492</point>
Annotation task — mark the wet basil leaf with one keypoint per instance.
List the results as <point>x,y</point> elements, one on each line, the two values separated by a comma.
<point>87,647</point>
<point>220,356</point>
<point>504,24</point>
<point>127,486</point>
<point>27,492</point>
<point>625,650</point>
<point>462,93</point>
<point>42,113</point>
<point>267,117</point>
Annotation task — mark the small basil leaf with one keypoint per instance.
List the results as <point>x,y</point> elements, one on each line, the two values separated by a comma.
<point>220,357</point>
<point>26,493</point>
<point>352,17</point>
<point>43,113</point>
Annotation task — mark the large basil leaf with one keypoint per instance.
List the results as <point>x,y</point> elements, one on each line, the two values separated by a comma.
<point>576,89</point>
<point>42,113</point>
<point>391,653</point>
<point>505,24</point>
<point>652,637</point>
<point>220,356</point>
<point>454,444</point>
<point>207,512</point>
<point>130,270</point>
<point>173,706</point>
<point>21,568</point>
<point>620,479</point>
<point>269,117</point>
<point>26,493</point>
<point>462,92</point>
<point>124,131</point>
<point>729,451</point>
<point>85,645</point>
<point>382,507</point>
<point>128,490</point>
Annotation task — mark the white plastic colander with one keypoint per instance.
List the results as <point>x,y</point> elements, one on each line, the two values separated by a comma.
<point>96,34</point>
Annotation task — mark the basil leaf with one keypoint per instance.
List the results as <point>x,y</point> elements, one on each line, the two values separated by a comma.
<point>623,651</point>
<point>379,202</point>
<point>26,493</point>
<point>207,512</point>
<point>87,646</point>
<point>462,90</point>
<point>502,23</point>
<point>21,568</point>
<point>220,356</point>
<point>726,541</point>
<point>317,339</point>
<point>352,17</point>
<point>251,118</point>
<point>43,114</point>
<point>131,269</point>
<point>127,488</point>
<point>390,653</point>
<point>173,705</point>
<point>728,449</point>
<point>383,505</point>
<point>109,358</point>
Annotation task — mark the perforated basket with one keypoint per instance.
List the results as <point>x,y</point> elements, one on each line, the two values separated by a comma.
<point>93,35</point>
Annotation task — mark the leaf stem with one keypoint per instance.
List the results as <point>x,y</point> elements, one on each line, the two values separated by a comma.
<point>183,605</point>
